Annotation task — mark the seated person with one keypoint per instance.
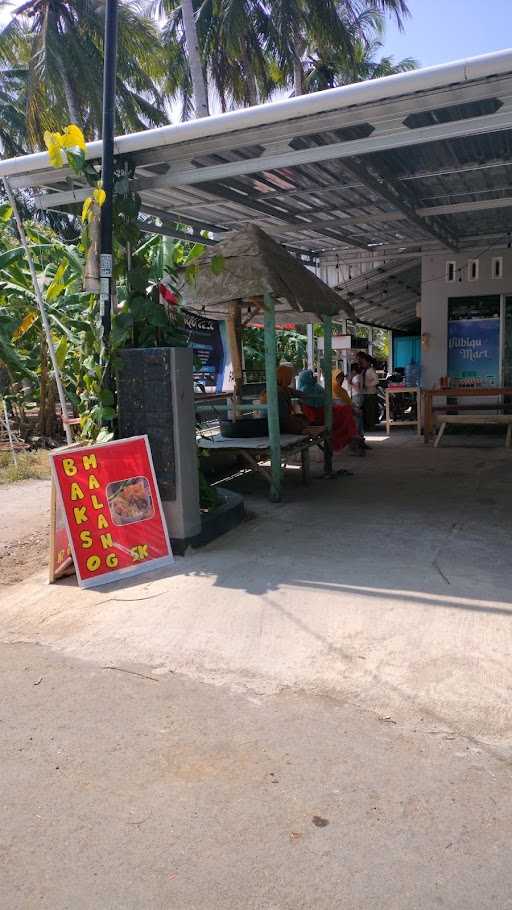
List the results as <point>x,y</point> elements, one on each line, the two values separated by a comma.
<point>289,421</point>
<point>340,394</point>
<point>344,430</point>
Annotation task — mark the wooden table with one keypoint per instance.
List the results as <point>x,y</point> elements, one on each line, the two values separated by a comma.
<point>258,447</point>
<point>402,390</point>
<point>430,394</point>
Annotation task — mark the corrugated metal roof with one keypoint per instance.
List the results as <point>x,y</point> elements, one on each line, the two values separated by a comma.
<point>406,164</point>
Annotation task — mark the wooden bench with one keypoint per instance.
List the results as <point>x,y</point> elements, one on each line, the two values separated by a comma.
<point>257,448</point>
<point>474,419</point>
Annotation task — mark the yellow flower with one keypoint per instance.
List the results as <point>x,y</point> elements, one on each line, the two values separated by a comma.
<point>54,144</point>
<point>86,208</point>
<point>99,196</point>
<point>73,137</point>
<point>95,200</point>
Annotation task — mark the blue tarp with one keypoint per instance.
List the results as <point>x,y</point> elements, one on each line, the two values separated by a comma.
<point>406,349</point>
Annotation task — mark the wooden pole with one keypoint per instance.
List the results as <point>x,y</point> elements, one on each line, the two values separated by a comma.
<point>42,309</point>
<point>328,393</point>
<point>274,431</point>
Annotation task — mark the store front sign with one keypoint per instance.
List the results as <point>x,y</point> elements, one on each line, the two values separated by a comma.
<point>474,352</point>
<point>474,341</point>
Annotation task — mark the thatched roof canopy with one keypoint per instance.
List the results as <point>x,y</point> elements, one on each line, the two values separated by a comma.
<point>250,264</point>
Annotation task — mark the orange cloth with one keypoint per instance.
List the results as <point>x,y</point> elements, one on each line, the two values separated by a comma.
<point>285,375</point>
<point>343,424</point>
<point>338,392</point>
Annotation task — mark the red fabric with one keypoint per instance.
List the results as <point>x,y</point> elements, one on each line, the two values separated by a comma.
<point>343,424</point>
<point>168,295</point>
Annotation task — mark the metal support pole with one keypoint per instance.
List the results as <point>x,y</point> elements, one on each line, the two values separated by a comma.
<point>9,433</point>
<point>274,431</point>
<point>42,309</point>
<point>310,346</point>
<point>107,170</point>
<point>328,392</point>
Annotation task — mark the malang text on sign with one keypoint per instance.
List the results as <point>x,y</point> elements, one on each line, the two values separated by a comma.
<point>113,512</point>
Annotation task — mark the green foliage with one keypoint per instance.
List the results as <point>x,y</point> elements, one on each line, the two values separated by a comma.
<point>74,314</point>
<point>141,320</point>
<point>249,50</point>
<point>208,496</point>
<point>291,347</point>
<point>217,264</point>
<point>51,57</point>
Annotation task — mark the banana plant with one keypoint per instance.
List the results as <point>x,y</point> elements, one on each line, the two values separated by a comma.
<point>22,350</point>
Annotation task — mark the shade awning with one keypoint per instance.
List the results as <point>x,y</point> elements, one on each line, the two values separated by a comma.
<point>402,166</point>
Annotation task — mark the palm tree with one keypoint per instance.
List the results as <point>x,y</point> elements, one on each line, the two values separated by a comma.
<point>62,42</point>
<point>231,37</point>
<point>331,69</point>
<point>300,28</point>
<point>235,38</point>
<point>194,58</point>
<point>248,48</point>
<point>13,99</point>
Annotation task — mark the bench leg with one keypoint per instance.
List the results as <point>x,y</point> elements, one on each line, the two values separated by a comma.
<point>508,437</point>
<point>306,466</point>
<point>255,465</point>
<point>439,435</point>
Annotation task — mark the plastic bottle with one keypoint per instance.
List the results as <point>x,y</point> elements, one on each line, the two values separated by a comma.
<point>412,374</point>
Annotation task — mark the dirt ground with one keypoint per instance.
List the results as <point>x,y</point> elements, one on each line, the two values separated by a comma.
<point>24,528</point>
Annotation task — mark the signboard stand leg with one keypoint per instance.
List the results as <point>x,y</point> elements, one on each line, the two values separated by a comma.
<point>61,560</point>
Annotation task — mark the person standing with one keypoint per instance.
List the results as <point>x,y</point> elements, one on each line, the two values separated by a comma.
<point>369,382</point>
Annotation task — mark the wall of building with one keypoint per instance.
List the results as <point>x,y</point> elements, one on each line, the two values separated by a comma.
<point>435,291</point>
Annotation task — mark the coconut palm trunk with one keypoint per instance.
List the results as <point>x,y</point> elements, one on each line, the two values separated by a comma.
<point>71,101</point>
<point>299,87</point>
<point>298,77</point>
<point>250,79</point>
<point>194,59</point>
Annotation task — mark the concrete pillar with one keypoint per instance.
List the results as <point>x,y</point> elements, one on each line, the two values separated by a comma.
<point>156,397</point>
<point>182,513</point>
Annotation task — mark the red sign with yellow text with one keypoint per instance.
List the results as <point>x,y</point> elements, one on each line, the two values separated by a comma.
<point>113,510</point>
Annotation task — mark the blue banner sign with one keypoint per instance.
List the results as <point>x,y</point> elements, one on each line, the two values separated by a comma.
<point>474,352</point>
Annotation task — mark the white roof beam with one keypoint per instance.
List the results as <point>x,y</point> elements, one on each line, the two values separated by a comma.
<point>59,199</point>
<point>149,227</point>
<point>378,142</point>
<point>479,77</point>
<point>503,202</point>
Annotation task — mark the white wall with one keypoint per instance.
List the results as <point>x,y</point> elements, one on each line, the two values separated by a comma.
<point>435,291</point>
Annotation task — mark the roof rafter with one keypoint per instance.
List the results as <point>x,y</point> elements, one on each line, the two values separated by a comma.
<point>383,183</point>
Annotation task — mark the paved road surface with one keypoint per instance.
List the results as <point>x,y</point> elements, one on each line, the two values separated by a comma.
<point>128,794</point>
<point>327,725</point>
